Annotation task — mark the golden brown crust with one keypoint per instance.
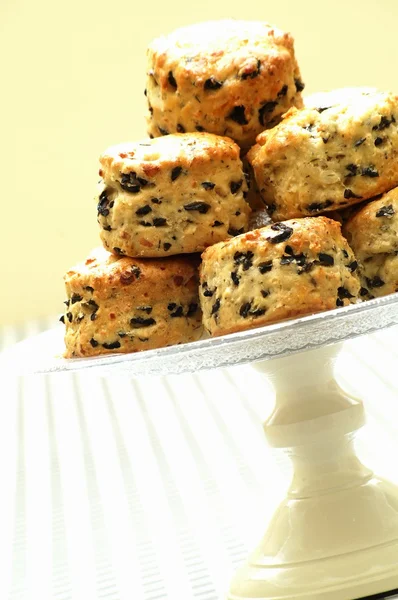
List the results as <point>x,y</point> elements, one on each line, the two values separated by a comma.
<point>330,156</point>
<point>128,305</point>
<point>171,195</point>
<point>284,270</point>
<point>373,234</point>
<point>228,77</point>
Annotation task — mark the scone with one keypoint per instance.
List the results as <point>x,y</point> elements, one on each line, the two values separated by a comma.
<point>340,152</point>
<point>373,235</point>
<point>233,78</point>
<point>123,304</point>
<point>285,270</point>
<point>172,195</point>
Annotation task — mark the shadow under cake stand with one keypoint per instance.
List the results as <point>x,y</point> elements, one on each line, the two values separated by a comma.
<point>335,535</point>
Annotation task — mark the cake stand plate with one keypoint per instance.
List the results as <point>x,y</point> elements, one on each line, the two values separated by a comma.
<point>335,535</point>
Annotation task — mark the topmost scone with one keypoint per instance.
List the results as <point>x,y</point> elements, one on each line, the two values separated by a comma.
<point>232,78</point>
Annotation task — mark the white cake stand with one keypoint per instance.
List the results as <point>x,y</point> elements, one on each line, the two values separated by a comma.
<point>335,535</point>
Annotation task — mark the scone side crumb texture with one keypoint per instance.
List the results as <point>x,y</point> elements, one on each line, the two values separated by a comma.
<point>330,156</point>
<point>127,305</point>
<point>285,270</point>
<point>228,77</point>
<point>373,235</point>
<point>172,195</point>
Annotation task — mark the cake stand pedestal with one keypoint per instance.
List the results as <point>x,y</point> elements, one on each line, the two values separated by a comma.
<point>335,535</point>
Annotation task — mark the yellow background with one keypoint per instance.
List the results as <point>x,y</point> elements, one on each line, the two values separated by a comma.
<point>72,82</point>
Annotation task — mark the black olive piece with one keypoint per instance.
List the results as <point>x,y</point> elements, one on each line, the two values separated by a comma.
<point>305,268</point>
<point>208,293</point>
<point>283,91</point>
<point>217,224</point>
<point>244,258</point>
<point>121,334</point>
<point>142,339</point>
<point>363,291</point>
<point>145,92</point>
<point>216,307</point>
<point>112,345</point>
<point>178,312</point>
<point>171,306</point>
<point>238,213</point>
<point>107,228</point>
<point>70,316</point>
<point>321,109</point>
<point>378,141</point>
<point>235,278</point>
<point>344,293</point>
<point>264,293</point>
<point>300,85</point>
<point>359,142</point>
<point>345,253</point>
<point>245,309</point>
<point>192,309</point>
<point>129,183</point>
<point>199,128</point>
<point>265,267</point>
<point>159,222</point>
<point>237,114</point>
<point>310,127</point>
<point>208,185</point>
<point>318,206</point>
<point>144,210</point>
<point>369,172</point>
<point>147,309</point>
<point>352,169</point>
<point>89,288</point>
<point>376,282</point>
<point>384,123</point>
<point>176,172</point>
<point>285,233</point>
<point>137,322</point>
<point>254,73</point>
<point>271,208</point>
<point>258,312</point>
<point>102,206</point>
<point>145,223</point>
<point>234,232</point>
<point>93,342</point>
<point>180,128</point>
<point>289,259</point>
<point>386,211</point>
<point>325,140</point>
<point>212,84</point>
<point>266,109</point>
<point>93,316</point>
<point>76,298</point>
<point>350,194</point>
<point>353,266</point>
<point>235,186</point>
<point>339,302</point>
<point>200,207</point>
<point>67,302</point>
<point>171,80</point>
<point>163,131</point>
<point>150,109</point>
<point>156,201</point>
<point>325,259</point>
<point>62,319</point>
<point>166,246</point>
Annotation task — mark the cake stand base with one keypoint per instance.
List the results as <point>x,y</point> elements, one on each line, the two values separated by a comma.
<point>335,536</point>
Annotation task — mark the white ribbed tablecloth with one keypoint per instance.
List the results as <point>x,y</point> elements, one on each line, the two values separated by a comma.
<point>153,488</point>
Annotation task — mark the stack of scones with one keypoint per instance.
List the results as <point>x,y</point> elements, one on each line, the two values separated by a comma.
<point>232,147</point>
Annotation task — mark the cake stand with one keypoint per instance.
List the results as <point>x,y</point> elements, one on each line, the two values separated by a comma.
<point>335,535</point>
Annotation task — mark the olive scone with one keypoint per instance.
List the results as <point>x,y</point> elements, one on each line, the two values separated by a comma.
<point>285,270</point>
<point>122,304</point>
<point>172,195</point>
<point>228,77</point>
<point>373,235</point>
<point>339,150</point>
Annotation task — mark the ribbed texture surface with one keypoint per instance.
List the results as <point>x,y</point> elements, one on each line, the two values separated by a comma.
<point>153,488</point>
